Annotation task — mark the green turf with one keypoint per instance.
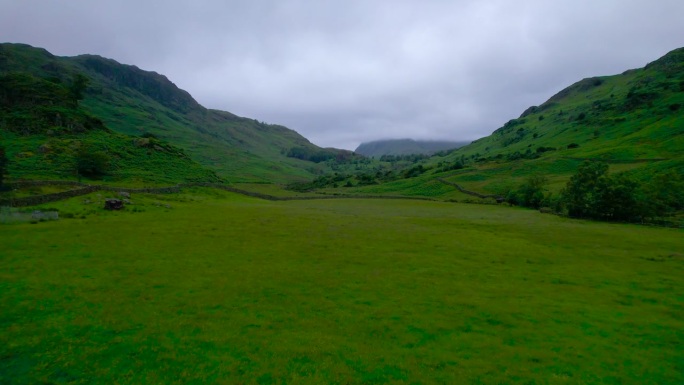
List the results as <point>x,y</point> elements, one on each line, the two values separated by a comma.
<point>211,287</point>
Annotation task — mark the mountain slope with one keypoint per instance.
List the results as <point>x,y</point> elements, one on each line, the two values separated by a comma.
<point>135,102</point>
<point>47,135</point>
<point>379,148</point>
<point>632,116</point>
<point>633,121</point>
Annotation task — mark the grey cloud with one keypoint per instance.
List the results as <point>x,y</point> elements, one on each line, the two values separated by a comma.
<point>342,72</point>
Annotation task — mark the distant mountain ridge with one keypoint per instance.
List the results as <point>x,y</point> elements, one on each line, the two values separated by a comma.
<point>379,148</point>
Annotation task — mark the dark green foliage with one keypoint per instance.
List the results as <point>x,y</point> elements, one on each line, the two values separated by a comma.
<point>366,179</point>
<point>528,154</point>
<point>573,145</point>
<point>593,193</point>
<point>637,97</point>
<point>78,87</point>
<point>617,198</point>
<point>4,162</point>
<point>447,166</point>
<point>542,149</point>
<point>31,105</point>
<point>664,194</point>
<point>413,158</point>
<point>311,155</point>
<point>91,163</point>
<point>530,193</point>
<point>414,171</point>
<point>22,90</point>
<point>581,194</point>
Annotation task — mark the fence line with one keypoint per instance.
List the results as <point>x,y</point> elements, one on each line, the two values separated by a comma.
<point>499,198</point>
<point>87,189</point>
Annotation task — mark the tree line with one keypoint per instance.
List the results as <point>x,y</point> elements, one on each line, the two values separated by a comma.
<point>594,193</point>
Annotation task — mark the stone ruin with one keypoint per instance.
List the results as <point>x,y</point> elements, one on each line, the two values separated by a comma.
<point>113,204</point>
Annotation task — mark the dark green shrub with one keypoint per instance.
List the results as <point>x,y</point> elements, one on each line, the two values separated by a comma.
<point>4,162</point>
<point>91,163</point>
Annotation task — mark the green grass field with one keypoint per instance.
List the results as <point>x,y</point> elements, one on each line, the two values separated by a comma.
<point>220,288</point>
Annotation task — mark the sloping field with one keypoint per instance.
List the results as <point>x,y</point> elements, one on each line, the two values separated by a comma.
<point>212,287</point>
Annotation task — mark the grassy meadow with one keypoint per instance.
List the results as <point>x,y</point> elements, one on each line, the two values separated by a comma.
<point>212,287</point>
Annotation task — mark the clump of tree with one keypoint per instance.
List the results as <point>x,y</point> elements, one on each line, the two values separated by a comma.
<point>449,166</point>
<point>413,171</point>
<point>531,193</point>
<point>528,154</point>
<point>594,193</point>
<point>311,155</point>
<point>542,149</point>
<point>4,162</point>
<point>30,105</point>
<point>403,158</point>
<point>91,163</point>
<point>78,85</point>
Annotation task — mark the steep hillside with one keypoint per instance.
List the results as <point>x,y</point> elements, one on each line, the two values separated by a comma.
<point>637,115</point>
<point>379,148</point>
<point>136,102</point>
<point>634,121</point>
<point>47,135</point>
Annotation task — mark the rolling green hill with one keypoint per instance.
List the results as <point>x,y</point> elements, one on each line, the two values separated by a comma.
<point>47,135</point>
<point>405,147</point>
<point>634,121</point>
<point>135,102</point>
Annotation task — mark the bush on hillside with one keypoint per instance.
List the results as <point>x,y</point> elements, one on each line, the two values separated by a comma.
<point>91,164</point>
<point>4,162</point>
<point>530,193</point>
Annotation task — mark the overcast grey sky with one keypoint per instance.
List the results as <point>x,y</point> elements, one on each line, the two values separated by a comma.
<point>344,72</point>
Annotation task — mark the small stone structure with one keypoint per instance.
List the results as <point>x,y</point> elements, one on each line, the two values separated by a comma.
<point>113,204</point>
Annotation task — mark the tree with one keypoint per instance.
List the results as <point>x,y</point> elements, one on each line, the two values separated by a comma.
<point>581,193</point>
<point>532,191</point>
<point>4,162</point>
<point>91,164</point>
<point>617,199</point>
<point>664,194</point>
<point>78,85</point>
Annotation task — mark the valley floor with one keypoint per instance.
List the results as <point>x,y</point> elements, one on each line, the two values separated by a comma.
<point>213,287</point>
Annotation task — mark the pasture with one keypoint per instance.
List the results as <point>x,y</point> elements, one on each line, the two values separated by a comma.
<point>213,287</point>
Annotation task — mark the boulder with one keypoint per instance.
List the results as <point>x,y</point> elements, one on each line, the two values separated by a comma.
<point>113,204</point>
